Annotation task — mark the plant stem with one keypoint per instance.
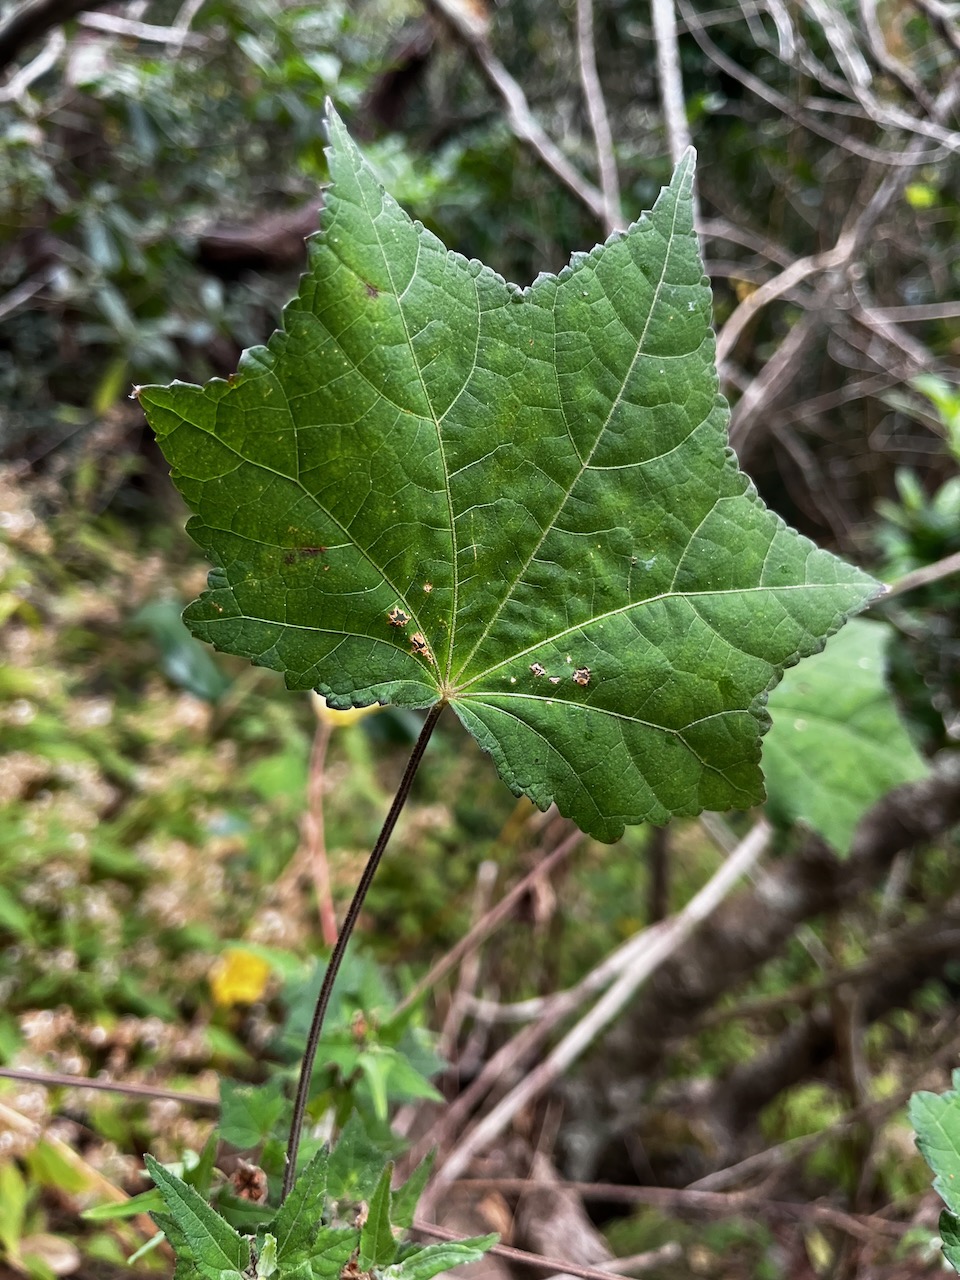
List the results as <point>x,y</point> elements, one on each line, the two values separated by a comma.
<point>343,938</point>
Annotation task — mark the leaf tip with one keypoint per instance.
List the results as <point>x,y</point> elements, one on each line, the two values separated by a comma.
<point>686,168</point>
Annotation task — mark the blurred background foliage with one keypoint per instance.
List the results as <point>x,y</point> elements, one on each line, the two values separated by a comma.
<point>159,167</point>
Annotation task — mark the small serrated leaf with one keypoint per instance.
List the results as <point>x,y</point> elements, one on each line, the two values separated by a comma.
<point>301,1214</point>
<point>329,1253</point>
<point>936,1120</point>
<point>217,1251</point>
<point>407,1197</point>
<point>430,1260</point>
<point>950,1236</point>
<point>249,1112</point>
<point>355,1163</point>
<point>378,1248</point>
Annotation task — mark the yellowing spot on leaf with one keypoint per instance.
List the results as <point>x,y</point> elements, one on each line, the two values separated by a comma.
<point>239,977</point>
<point>743,289</point>
<point>340,718</point>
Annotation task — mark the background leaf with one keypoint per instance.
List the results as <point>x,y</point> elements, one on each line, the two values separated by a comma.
<point>837,743</point>
<point>377,1245</point>
<point>355,1163</point>
<point>431,1259</point>
<point>950,1236</point>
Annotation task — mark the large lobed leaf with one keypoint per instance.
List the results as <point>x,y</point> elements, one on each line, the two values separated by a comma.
<point>433,485</point>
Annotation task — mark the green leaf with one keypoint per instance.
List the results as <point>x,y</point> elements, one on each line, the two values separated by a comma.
<point>200,1177</point>
<point>407,1197</point>
<point>183,661</point>
<point>216,1251</point>
<point>434,1258</point>
<point>267,1257</point>
<point>936,1120</point>
<point>405,1081</point>
<point>378,1248</point>
<point>837,744</point>
<point>13,1207</point>
<point>330,1252</point>
<point>355,1163</point>
<point>145,1202</point>
<point>299,1218</point>
<point>434,486</point>
<point>950,1236</point>
<point>376,1069</point>
<point>248,1113</point>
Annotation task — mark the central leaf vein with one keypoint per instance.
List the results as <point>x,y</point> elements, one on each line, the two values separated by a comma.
<point>585,462</point>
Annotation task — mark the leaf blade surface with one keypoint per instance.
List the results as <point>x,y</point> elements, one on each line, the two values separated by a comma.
<point>432,485</point>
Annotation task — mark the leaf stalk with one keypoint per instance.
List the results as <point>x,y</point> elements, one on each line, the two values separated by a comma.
<point>340,949</point>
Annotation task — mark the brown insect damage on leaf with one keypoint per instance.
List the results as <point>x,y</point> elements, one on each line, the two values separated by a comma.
<point>398,618</point>
<point>418,643</point>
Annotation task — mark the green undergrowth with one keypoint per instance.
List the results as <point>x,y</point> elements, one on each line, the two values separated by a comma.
<point>151,802</point>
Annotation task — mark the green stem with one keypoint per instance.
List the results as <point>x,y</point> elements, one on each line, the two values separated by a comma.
<point>343,938</point>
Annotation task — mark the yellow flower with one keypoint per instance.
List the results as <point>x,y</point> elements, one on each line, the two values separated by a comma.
<point>239,977</point>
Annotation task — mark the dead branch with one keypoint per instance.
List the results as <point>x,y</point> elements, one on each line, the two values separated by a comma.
<point>599,120</point>
<point>670,938</point>
<point>33,20</point>
<point>664,19</point>
<point>749,930</point>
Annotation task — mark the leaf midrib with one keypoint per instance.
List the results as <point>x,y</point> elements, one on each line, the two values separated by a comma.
<point>584,462</point>
<point>434,418</point>
<point>688,597</point>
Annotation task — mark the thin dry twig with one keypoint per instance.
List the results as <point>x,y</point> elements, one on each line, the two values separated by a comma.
<point>538,1260</point>
<point>688,1200</point>
<point>670,937</point>
<point>766,293</point>
<point>925,575</point>
<point>804,994</point>
<point>664,19</point>
<point>491,921</point>
<point>20,82</point>
<point>58,1080</point>
<point>597,115</point>
<point>873,1114</point>
<point>470,969</point>
<point>943,18</point>
<point>33,20</point>
<point>895,69</point>
<point>906,158</point>
<point>146,31</point>
<point>314,838</point>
